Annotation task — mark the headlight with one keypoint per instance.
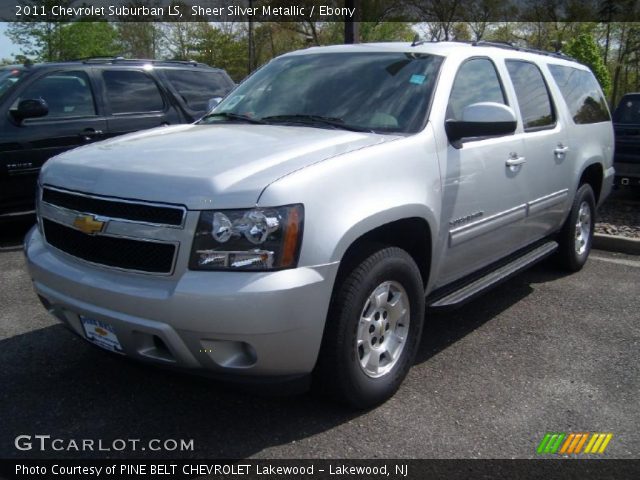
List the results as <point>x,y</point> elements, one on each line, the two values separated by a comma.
<point>256,239</point>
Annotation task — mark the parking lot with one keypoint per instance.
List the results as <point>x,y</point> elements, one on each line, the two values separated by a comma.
<point>545,352</point>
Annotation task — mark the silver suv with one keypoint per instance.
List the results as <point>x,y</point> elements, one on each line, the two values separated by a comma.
<point>305,224</point>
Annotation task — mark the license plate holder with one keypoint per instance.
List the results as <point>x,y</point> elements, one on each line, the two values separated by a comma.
<point>101,333</point>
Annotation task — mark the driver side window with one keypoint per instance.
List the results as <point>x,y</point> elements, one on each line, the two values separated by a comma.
<point>68,94</point>
<point>476,81</point>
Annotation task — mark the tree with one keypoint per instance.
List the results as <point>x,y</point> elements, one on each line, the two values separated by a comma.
<point>49,41</point>
<point>40,40</point>
<point>222,48</point>
<point>139,39</point>
<point>440,16</point>
<point>179,39</point>
<point>88,39</point>
<point>584,49</point>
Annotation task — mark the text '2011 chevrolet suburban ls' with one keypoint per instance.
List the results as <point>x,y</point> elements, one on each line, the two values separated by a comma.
<point>303,226</point>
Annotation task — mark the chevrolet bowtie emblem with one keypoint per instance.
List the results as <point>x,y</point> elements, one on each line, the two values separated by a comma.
<point>88,224</point>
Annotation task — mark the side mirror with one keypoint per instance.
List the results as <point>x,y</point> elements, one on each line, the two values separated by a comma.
<point>213,102</point>
<point>31,108</point>
<point>484,119</point>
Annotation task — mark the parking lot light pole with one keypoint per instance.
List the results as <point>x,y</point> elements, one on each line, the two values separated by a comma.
<point>351,26</point>
<point>251,44</point>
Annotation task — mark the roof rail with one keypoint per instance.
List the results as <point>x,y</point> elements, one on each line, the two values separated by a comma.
<point>497,44</point>
<point>511,46</point>
<point>138,60</point>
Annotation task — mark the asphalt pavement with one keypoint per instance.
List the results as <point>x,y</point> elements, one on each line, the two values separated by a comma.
<point>545,352</point>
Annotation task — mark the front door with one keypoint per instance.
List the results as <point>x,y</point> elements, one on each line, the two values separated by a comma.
<point>73,120</point>
<point>484,189</point>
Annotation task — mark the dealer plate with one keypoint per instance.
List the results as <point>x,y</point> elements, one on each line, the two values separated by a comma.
<point>101,333</point>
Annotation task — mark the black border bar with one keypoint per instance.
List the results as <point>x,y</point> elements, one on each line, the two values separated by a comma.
<point>320,10</point>
<point>392,469</point>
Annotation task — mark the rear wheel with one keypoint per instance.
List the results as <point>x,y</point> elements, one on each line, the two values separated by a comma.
<point>576,235</point>
<point>373,329</point>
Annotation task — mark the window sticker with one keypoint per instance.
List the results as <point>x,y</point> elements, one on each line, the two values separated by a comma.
<point>417,79</point>
<point>233,101</point>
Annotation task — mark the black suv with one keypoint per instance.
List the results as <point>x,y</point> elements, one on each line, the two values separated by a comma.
<point>48,108</point>
<point>626,122</point>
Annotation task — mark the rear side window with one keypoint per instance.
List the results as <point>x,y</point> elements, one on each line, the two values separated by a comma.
<point>68,94</point>
<point>131,91</point>
<point>582,93</point>
<point>628,110</point>
<point>532,94</point>
<point>198,87</point>
<point>476,81</point>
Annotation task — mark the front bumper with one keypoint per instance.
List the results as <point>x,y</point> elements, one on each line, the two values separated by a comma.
<point>241,323</point>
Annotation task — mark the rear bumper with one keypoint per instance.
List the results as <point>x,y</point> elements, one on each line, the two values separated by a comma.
<point>239,323</point>
<point>627,173</point>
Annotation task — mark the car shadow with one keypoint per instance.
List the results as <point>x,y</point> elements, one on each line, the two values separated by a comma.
<point>54,383</point>
<point>443,328</point>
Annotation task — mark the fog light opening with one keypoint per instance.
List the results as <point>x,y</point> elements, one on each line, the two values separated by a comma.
<point>230,354</point>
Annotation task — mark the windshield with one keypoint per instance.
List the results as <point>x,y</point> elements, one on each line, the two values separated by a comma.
<point>385,92</point>
<point>9,77</point>
<point>628,111</point>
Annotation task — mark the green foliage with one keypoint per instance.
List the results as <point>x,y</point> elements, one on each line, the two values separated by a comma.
<point>225,45</point>
<point>139,39</point>
<point>39,40</point>
<point>219,48</point>
<point>45,41</point>
<point>585,49</point>
<point>386,32</point>
<point>88,39</point>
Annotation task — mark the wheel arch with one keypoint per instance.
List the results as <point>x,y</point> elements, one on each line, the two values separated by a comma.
<point>413,232</point>
<point>592,174</point>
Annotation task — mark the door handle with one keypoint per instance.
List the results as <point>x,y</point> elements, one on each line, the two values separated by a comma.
<point>560,150</point>
<point>89,133</point>
<point>515,160</point>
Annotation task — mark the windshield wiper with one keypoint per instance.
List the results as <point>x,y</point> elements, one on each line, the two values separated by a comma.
<point>234,116</point>
<point>315,119</point>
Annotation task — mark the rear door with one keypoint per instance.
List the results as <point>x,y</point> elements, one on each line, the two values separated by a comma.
<point>134,100</point>
<point>548,150</point>
<point>74,119</point>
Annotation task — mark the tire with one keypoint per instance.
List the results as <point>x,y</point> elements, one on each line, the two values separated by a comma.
<point>367,304</point>
<point>576,236</point>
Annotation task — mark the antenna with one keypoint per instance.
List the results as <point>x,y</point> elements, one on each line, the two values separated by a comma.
<point>417,40</point>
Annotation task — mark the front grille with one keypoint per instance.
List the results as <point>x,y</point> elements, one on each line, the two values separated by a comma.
<point>124,253</point>
<point>137,212</point>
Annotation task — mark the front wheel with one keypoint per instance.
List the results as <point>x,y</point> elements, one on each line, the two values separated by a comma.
<point>576,236</point>
<point>373,329</point>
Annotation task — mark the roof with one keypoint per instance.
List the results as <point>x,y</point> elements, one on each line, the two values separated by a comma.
<point>122,61</point>
<point>447,49</point>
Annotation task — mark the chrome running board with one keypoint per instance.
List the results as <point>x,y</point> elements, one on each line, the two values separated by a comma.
<point>470,289</point>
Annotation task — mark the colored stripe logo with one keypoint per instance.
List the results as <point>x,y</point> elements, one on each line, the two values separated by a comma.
<point>573,443</point>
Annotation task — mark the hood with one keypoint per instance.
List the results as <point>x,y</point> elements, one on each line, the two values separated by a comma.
<point>199,166</point>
